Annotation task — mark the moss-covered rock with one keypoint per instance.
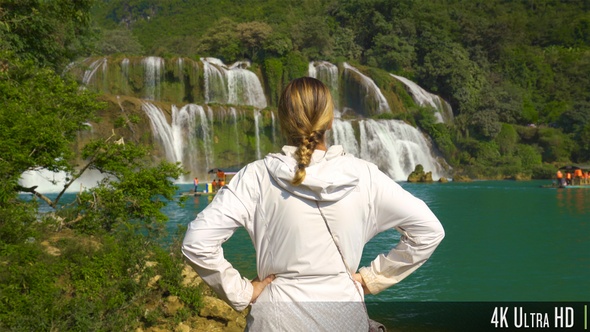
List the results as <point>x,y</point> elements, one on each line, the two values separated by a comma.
<point>418,175</point>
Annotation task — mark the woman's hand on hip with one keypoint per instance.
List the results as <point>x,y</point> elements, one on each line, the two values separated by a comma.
<point>260,285</point>
<point>357,277</point>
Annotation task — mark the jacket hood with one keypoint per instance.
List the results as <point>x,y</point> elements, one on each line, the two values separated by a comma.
<point>329,176</point>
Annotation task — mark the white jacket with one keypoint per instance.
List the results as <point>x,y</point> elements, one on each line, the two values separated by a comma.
<point>293,243</point>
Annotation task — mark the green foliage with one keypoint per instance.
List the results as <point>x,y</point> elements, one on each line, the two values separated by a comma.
<point>50,33</point>
<point>530,156</point>
<point>485,125</point>
<point>556,146</point>
<point>16,222</point>
<point>273,73</point>
<point>133,193</point>
<point>543,171</point>
<point>40,117</point>
<point>583,143</point>
<point>118,41</point>
<point>222,41</point>
<point>92,284</point>
<point>507,139</point>
<point>295,65</point>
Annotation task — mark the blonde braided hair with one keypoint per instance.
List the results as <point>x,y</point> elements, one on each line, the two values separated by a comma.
<point>306,111</point>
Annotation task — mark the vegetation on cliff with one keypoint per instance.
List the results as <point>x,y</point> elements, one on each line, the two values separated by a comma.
<point>504,66</point>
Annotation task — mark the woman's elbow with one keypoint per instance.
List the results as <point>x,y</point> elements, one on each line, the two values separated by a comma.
<point>438,232</point>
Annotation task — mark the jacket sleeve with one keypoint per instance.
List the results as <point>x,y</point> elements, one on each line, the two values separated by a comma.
<point>204,237</point>
<point>421,232</point>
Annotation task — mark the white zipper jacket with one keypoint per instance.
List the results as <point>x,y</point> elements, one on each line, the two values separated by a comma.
<point>293,243</point>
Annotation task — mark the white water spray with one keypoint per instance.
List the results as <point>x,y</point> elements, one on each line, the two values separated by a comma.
<point>444,112</point>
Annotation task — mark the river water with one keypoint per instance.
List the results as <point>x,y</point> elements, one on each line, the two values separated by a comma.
<point>506,241</point>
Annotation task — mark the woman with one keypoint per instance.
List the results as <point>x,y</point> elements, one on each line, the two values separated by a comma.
<point>296,205</point>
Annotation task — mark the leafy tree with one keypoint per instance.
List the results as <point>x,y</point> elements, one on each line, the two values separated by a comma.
<point>40,117</point>
<point>485,124</point>
<point>119,41</point>
<point>507,139</point>
<point>529,155</point>
<point>312,37</point>
<point>252,36</point>
<point>575,119</point>
<point>222,41</point>
<point>133,192</point>
<point>50,33</point>
<point>449,71</point>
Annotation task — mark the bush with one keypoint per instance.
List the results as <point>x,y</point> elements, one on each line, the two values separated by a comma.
<point>543,171</point>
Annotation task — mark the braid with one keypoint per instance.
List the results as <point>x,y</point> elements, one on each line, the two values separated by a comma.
<point>305,113</point>
<point>303,154</point>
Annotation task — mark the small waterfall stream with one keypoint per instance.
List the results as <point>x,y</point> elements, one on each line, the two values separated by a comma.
<point>444,112</point>
<point>257,131</point>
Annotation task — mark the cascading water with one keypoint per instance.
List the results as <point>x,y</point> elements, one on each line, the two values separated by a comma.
<point>153,76</point>
<point>234,115</point>
<point>328,74</point>
<point>180,140</point>
<point>232,85</point>
<point>444,112</point>
<point>396,148</point>
<point>92,69</point>
<point>274,135</point>
<point>367,94</point>
<point>161,131</point>
<point>257,133</point>
<point>342,133</point>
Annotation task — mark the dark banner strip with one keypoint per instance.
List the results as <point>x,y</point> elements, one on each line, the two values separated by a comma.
<point>481,316</point>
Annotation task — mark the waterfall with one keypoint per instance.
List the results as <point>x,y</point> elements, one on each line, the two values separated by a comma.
<point>180,138</point>
<point>368,94</point>
<point>328,74</point>
<point>396,148</point>
<point>215,88</point>
<point>232,85</point>
<point>53,182</point>
<point>257,132</point>
<point>187,135</point>
<point>153,76</point>
<point>183,135</point>
<point>161,131</point>
<point>274,135</point>
<point>234,115</point>
<point>125,75</point>
<point>92,69</point>
<point>342,133</point>
<point>444,112</point>
<point>325,72</point>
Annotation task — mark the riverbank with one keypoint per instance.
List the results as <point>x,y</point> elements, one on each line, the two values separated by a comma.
<point>213,316</point>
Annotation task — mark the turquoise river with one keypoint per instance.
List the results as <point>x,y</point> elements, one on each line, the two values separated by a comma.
<point>506,241</point>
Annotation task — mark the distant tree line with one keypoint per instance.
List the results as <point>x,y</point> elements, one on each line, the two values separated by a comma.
<point>516,63</point>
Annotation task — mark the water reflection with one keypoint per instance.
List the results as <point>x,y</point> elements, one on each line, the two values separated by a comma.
<point>573,200</point>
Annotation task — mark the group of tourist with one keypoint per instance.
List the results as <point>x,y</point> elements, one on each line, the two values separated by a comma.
<point>216,184</point>
<point>576,178</point>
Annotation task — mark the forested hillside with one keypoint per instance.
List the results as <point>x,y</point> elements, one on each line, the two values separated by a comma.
<point>515,72</point>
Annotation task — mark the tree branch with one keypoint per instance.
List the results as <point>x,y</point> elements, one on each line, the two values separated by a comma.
<point>38,194</point>
<point>79,174</point>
